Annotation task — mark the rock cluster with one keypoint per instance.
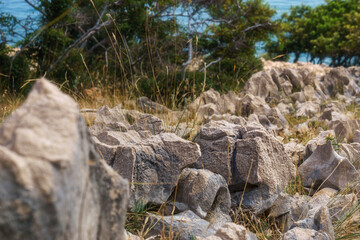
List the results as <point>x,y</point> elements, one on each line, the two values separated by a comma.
<point>59,180</point>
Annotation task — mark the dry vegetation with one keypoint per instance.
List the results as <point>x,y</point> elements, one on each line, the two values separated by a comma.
<point>348,227</point>
<point>265,228</point>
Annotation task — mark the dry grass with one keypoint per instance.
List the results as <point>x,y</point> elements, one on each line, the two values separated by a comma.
<point>8,103</point>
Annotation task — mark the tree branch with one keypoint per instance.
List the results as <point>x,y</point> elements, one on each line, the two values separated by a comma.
<point>83,38</point>
<point>211,63</point>
<point>35,7</point>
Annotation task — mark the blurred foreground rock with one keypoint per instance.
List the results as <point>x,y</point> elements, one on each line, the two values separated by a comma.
<point>53,183</point>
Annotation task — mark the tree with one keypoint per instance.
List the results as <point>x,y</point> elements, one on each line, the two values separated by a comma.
<point>154,48</point>
<point>232,41</point>
<point>13,81</point>
<point>327,31</point>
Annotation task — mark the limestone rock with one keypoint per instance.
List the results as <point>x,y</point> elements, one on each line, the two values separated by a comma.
<point>217,142</point>
<point>295,151</point>
<point>262,85</point>
<point>211,102</point>
<point>231,231</point>
<point>356,138</point>
<point>305,234</point>
<point>325,168</point>
<point>130,236</point>
<point>298,97</point>
<point>233,150</point>
<point>341,206</point>
<point>306,109</point>
<point>256,153</point>
<point>310,93</point>
<point>184,226</point>
<point>285,109</point>
<point>315,142</point>
<point>317,217</point>
<point>334,81</point>
<point>352,153</point>
<point>205,193</point>
<point>53,183</point>
<point>294,77</point>
<point>344,130</point>
<point>117,119</point>
<point>288,209</point>
<point>147,105</point>
<point>253,104</point>
<point>228,118</point>
<point>152,164</point>
<point>206,110</point>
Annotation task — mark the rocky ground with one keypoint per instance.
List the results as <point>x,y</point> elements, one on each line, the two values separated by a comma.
<point>279,160</point>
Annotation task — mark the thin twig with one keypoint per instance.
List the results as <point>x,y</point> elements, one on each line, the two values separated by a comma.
<point>84,37</point>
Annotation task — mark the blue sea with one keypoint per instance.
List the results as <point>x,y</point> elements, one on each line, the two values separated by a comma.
<point>21,10</point>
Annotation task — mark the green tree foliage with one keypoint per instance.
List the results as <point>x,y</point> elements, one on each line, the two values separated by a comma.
<point>327,31</point>
<point>241,25</point>
<point>20,67</point>
<point>158,48</point>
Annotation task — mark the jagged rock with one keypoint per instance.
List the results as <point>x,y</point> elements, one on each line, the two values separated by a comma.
<point>117,119</point>
<point>183,226</point>
<point>287,87</point>
<point>228,102</point>
<point>323,222</point>
<point>153,164</point>
<point>310,93</point>
<point>294,77</point>
<point>317,216</point>
<point>305,234</point>
<point>351,152</point>
<point>333,113</point>
<point>130,236</point>
<point>254,124</point>
<point>356,138</point>
<point>308,75</point>
<point>321,139</point>
<point>204,193</point>
<point>278,119</point>
<point>341,206</point>
<point>325,168</point>
<point>182,129</point>
<point>206,110</point>
<point>334,81</point>
<point>306,109</point>
<point>232,150</point>
<point>210,96</point>
<point>231,231</point>
<point>228,118</point>
<point>53,183</point>
<point>295,151</point>
<point>217,142</point>
<point>211,102</point>
<point>327,192</point>
<point>256,152</point>
<point>298,97</point>
<point>344,130</point>
<point>285,109</point>
<point>262,85</point>
<point>288,209</point>
<point>147,105</point>
<point>265,122</point>
<point>253,104</point>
